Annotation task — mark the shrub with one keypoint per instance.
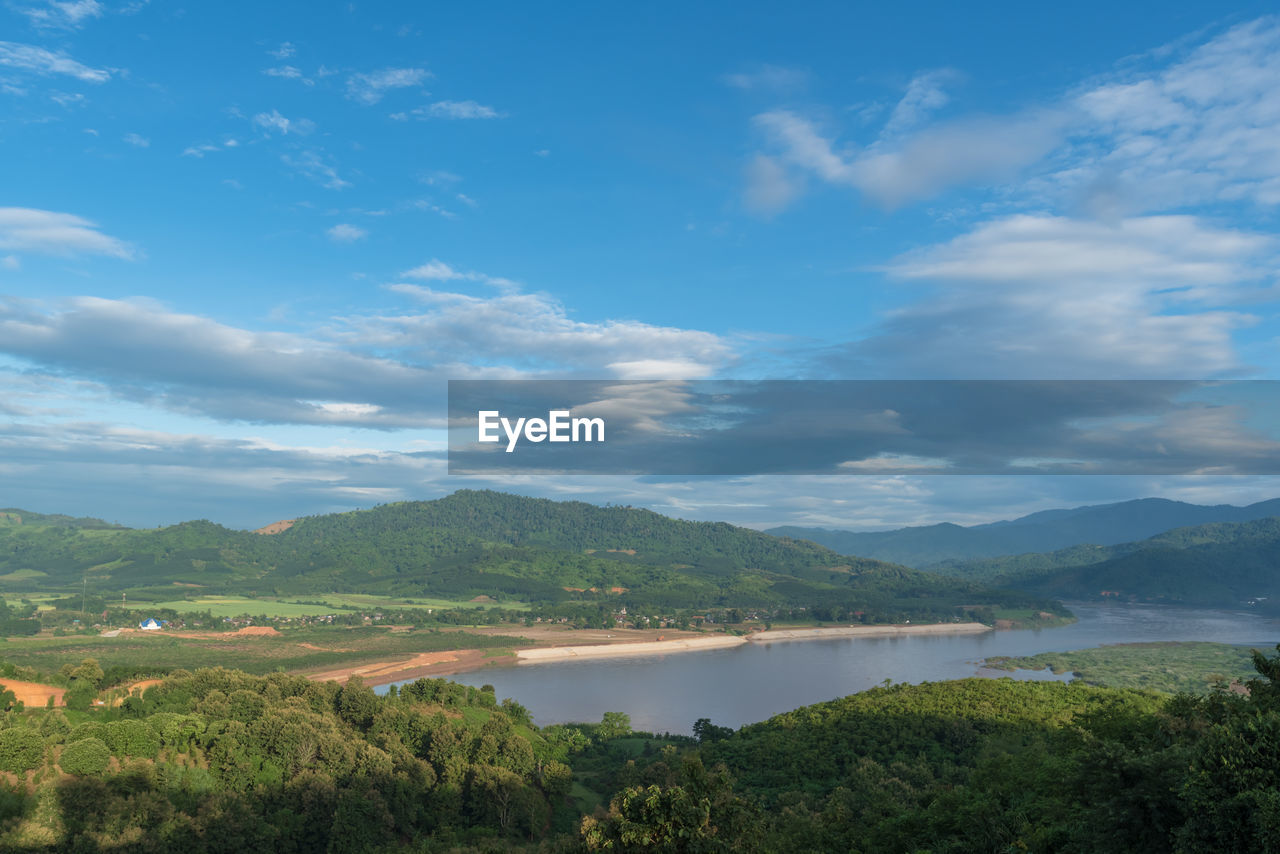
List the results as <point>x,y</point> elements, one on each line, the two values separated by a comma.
<point>132,738</point>
<point>21,749</point>
<point>88,729</point>
<point>85,757</point>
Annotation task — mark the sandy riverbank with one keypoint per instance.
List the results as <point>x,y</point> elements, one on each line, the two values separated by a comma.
<point>868,631</point>
<point>617,650</point>
<point>614,643</point>
<point>422,665</point>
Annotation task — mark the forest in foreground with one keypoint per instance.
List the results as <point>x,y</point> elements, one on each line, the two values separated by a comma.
<point>216,760</point>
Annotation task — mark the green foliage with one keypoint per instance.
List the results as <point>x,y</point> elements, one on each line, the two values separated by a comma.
<point>701,814</point>
<point>87,756</point>
<point>613,725</point>
<point>505,548</point>
<point>21,749</point>
<point>132,738</point>
<point>1192,667</point>
<point>1220,564</point>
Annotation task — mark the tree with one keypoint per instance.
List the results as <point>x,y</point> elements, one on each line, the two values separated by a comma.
<point>88,756</point>
<point>613,725</point>
<point>704,730</point>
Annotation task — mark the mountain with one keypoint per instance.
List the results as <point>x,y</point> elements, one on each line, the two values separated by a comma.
<point>11,516</point>
<point>1045,531</point>
<point>1225,564</point>
<point>476,543</point>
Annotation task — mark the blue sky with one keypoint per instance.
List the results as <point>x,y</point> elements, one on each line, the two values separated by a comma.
<point>243,247</point>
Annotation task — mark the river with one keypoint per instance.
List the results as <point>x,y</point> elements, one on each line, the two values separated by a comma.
<point>754,681</point>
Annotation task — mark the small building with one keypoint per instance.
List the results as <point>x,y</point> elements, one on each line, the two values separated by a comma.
<point>149,625</point>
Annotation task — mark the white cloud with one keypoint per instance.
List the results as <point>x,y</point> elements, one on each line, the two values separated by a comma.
<point>1198,128</point>
<point>971,151</point>
<point>63,15</point>
<point>10,262</point>
<point>1052,297</point>
<point>274,121</point>
<point>385,371</point>
<point>289,72</point>
<point>37,60</point>
<point>533,333</point>
<point>285,51</point>
<point>769,187</point>
<point>1178,255</point>
<point>311,164</point>
<point>769,77</point>
<point>188,363</point>
<point>137,140</point>
<point>924,96</point>
<point>53,233</point>
<point>463,110</point>
<point>346,233</point>
<point>371,87</point>
<point>1202,129</point>
<point>67,99</point>
<point>199,151</point>
<point>436,270</point>
<point>452,110</point>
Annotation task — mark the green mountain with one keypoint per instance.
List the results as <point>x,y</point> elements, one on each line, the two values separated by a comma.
<point>11,517</point>
<point>1220,564</point>
<point>1046,531</point>
<point>485,543</point>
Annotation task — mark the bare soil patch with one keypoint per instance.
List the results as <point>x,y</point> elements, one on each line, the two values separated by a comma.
<point>276,527</point>
<point>34,694</point>
<point>260,631</point>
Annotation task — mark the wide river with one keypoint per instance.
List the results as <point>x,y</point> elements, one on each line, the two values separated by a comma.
<point>755,681</point>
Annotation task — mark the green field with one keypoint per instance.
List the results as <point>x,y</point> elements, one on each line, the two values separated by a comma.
<point>234,606</point>
<point>293,649</point>
<point>1193,667</point>
<point>358,600</point>
<point>23,575</point>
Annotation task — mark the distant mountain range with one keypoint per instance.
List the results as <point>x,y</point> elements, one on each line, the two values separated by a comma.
<point>1225,564</point>
<point>472,544</point>
<point>1046,531</point>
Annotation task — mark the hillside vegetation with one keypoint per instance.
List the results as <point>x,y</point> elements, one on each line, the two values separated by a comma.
<point>1221,564</point>
<point>489,544</point>
<point>216,760</point>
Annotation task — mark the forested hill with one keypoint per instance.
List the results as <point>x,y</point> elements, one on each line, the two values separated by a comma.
<point>1221,564</point>
<point>11,516</point>
<point>476,543</point>
<point>1048,530</point>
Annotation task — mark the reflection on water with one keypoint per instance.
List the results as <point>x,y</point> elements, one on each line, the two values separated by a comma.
<point>755,681</point>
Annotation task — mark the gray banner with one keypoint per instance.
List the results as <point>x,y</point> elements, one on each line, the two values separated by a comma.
<point>880,427</point>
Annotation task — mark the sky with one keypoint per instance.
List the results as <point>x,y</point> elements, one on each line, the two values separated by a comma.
<point>243,247</point>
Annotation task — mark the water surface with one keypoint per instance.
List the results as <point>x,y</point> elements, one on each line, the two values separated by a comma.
<point>754,681</point>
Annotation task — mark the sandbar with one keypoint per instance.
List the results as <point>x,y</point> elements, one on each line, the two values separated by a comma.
<point>619,650</point>
<point>867,631</point>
